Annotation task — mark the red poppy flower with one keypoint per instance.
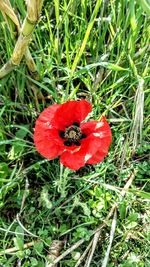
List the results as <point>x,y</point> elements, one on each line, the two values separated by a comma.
<point>59,131</point>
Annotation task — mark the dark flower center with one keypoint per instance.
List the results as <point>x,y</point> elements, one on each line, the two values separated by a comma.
<point>72,135</point>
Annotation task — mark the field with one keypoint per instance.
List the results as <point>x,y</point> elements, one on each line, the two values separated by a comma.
<point>98,215</point>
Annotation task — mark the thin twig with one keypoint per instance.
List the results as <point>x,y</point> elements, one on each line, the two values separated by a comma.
<point>84,254</point>
<point>24,195</point>
<point>14,249</point>
<point>112,233</point>
<point>94,243</point>
<point>69,250</point>
<point>22,226</point>
<point>128,184</point>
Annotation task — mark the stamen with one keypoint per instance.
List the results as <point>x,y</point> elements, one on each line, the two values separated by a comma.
<point>68,143</point>
<point>62,134</point>
<point>76,124</point>
<point>83,136</point>
<point>73,133</point>
<point>77,143</point>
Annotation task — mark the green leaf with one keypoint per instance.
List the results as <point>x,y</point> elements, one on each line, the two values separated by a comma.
<point>133,217</point>
<point>106,65</point>
<point>23,131</point>
<point>143,194</point>
<point>16,150</point>
<point>131,225</point>
<point>2,138</point>
<point>19,239</point>
<point>145,4</point>
<point>122,210</point>
<point>4,171</point>
<point>33,261</point>
<point>45,198</point>
<point>113,67</point>
<point>98,192</point>
<point>38,246</point>
<point>18,242</point>
<point>85,208</point>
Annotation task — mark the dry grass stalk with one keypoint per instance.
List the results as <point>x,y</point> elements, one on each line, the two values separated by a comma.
<point>54,252</point>
<point>84,254</point>
<point>14,249</point>
<point>33,12</point>
<point>93,247</point>
<point>112,233</point>
<point>69,250</point>
<point>138,117</point>
<point>7,10</point>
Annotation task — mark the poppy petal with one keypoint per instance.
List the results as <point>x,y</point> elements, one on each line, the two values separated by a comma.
<point>71,112</point>
<point>47,142</point>
<point>79,157</point>
<point>102,130</point>
<point>98,157</point>
<point>46,138</point>
<point>48,114</point>
<point>101,152</point>
<point>100,127</point>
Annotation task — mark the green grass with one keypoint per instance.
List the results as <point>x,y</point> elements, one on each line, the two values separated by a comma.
<point>97,50</point>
